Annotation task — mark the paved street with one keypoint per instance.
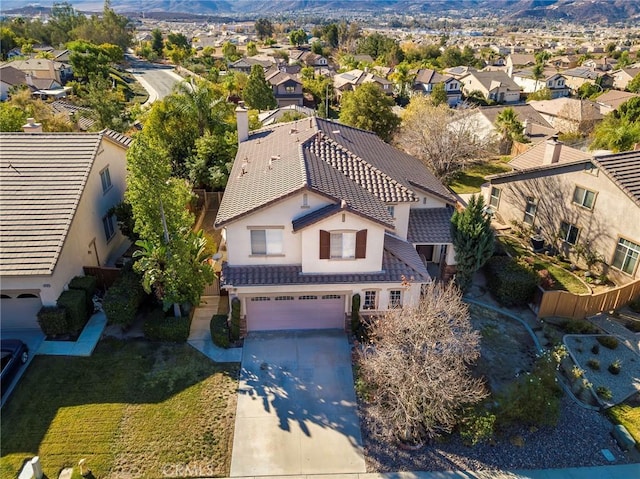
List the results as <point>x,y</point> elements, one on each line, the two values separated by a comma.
<point>157,79</point>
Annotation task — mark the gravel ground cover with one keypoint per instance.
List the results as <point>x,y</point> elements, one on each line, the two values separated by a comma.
<point>576,441</point>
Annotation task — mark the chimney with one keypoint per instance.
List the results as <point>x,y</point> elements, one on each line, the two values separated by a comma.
<point>526,127</point>
<point>32,126</point>
<point>242,119</point>
<point>552,151</point>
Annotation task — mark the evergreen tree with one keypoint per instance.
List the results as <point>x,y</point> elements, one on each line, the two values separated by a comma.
<point>157,43</point>
<point>439,95</point>
<point>472,239</point>
<point>257,93</point>
<point>370,109</point>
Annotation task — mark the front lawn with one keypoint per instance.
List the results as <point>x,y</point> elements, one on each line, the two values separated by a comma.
<point>472,178</point>
<point>629,417</point>
<point>133,409</point>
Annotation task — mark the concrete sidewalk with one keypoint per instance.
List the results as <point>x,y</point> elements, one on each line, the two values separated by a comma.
<point>85,344</point>
<point>626,471</point>
<point>200,333</point>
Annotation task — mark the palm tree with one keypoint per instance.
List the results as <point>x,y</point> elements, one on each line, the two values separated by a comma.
<point>200,101</point>
<point>509,127</point>
<point>538,73</point>
<point>403,78</point>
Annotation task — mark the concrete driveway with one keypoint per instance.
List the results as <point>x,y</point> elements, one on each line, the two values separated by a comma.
<point>33,338</point>
<point>296,410</point>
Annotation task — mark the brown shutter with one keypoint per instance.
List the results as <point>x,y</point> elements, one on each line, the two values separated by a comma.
<point>361,244</point>
<point>325,244</point>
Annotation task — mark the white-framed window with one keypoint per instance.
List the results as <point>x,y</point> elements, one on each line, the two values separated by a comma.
<point>395,298</point>
<point>392,210</point>
<point>305,200</point>
<point>307,297</point>
<point>584,197</point>
<point>331,296</point>
<point>494,199</point>
<point>261,298</point>
<point>284,298</point>
<point>626,256</point>
<point>266,241</point>
<point>105,178</point>
<point>343,245</point>
<point>530,210</point>
<point>370,300</point>
<point>109,228</point>
<point>569,232</point>
<point>290,89</point>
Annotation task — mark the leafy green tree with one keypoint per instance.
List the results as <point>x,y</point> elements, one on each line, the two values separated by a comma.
<point>330,35</point>
<point>298,37</point>
<point>542,94</point>
<point>589,90</point>
<point>634,85</point>
<point>157,42</point>
<point>108,28</point>
<point>439,95</point>
<point>213,159</point>
<point>258,94</point>
<point>379,46</point>
<point>510,129</point>
<point>7,41</point>
<point>11,117</point>
<point>230,52</point>
<point>615,134</point>
<point>252,49</point>
<point>538,73</point>
<point>451,57</point>
<point>370,109</point>
<point>264,28</point>
<point>87,58</point>
<point>107,107</point>
<point>64,19</point>
<point>403,79</point>
<point>473,240</point>
<point>542,57</point>
<point>629,110</point>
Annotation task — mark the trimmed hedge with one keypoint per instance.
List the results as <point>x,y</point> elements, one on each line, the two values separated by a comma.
<point>511,282</point>
<point>75,302</point>
<point>123,298</point>
<point>220,330</point>
<point>88,284</point>
<point>234,327</point>
<point>159,327</point>
<point>53,320</point>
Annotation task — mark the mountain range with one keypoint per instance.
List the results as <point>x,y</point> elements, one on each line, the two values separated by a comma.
<point>594,11</point>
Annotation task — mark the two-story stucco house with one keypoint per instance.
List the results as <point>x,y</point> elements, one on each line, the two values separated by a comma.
<point>57,189</point>
<point>574,198</point>
<point>554,82</point>
<point>315,212</point>
<point>493,85</point>
<point>426,79</point>
<point>287,89</point>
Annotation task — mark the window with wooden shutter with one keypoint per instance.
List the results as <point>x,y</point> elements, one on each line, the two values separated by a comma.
<point>325,244</point>
<point>361,244</point>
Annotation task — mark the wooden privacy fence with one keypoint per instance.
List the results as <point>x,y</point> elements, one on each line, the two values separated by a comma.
<point>105,275</point>
<point>579,306</point>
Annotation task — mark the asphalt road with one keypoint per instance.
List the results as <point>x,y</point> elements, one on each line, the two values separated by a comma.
<point>158,80</point>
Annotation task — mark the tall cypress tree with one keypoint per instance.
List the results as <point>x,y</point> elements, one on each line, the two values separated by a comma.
<point>472,239</point>
<point>258,93</point>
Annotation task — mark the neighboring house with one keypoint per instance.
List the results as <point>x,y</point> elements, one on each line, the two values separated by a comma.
<point>553,81</point>
<point>45,69</point>
<point>286,88</point>
<point>493,85</point>
<point>459,71</point>
<point>307,58</point>
<point>610,101</point>
<point>315,212</point>
<point>349,81</point>
<point>269,117</point>
<point>10,78</point>
<point>569,115</point>
<point>79,115</point>
<point>535,127</point>
<point>244,64</point>
<point>622,77</point>
<point>426,79</point>
<point>517,61</point>
<point>574,199</point>
<point>576,77</point>
<point>44,88</point>
<point>563,62</point>
<point>602,64</point>
<point>57,189</point>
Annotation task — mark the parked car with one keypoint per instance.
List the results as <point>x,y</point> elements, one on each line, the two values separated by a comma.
<point>14,355</point>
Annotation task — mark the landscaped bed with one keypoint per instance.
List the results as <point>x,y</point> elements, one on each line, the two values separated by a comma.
<point>507,352</point>
<point>133,409</point>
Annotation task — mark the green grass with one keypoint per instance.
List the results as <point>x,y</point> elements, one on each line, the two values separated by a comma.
<point>564,280</point>
<point>629,417</point>
<point>472,178</point>
<point>133,408</point>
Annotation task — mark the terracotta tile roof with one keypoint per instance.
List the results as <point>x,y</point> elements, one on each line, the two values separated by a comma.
<point>399,260</point>
<point>43,176</point>
<point>430,226</point>
<point>624,170</point>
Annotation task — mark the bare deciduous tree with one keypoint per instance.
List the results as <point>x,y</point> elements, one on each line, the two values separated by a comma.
<point>442,138</point>
<point>417,366</point>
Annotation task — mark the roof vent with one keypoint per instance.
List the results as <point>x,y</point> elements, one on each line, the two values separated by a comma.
<point>243,170</point>
<point>274,157</point>
<point>293,131</point>
<point>335,132</point>
<point>343,204</point>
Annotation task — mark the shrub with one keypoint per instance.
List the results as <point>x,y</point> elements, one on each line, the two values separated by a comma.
<point>88,284</point>
<point>355,314</point>
<point>159,327</point>
<point>234,326</point>
<point>123,298</point>
<point>219,330</point>
<point>635,305</point>
<point>53,320</point>
<point>578,326</point>
<point>476,427</point>
<point>609,342</point>
<point>75,303</point>
<point>594,364</point>
<point>604,393</point>
<point>615,367</point>
<point>546,281</point>
<point>595,349</point>
<point>535,397</point>
<point>577,372</point>
<point>511,282</point>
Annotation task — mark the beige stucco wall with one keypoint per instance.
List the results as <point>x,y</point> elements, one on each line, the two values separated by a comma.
<point>86,225</point>
<point>614,214</point>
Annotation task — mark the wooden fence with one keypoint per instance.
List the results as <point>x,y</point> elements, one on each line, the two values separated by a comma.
<point>106,276</point>
<point>579,306</point>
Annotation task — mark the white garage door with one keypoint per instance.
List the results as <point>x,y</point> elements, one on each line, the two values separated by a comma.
<point>295,312</point>
<point>19,311</point>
